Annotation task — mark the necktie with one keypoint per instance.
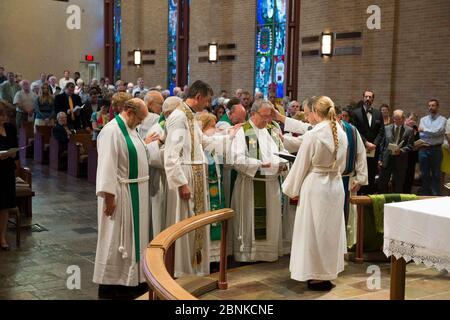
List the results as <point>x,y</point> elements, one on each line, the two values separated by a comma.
<point>71,107</point>
<point>397,134</point>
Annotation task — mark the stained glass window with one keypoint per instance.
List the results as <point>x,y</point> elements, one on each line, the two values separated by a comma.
<point>172,45</point>
<point>270,46</point>
<point>117,38</point>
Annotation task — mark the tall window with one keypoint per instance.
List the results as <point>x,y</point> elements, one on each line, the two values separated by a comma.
<point>172,45</point>
<point>270,46</point>
<point>117,37</point>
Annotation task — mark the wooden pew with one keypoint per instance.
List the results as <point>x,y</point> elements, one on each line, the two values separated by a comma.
<point>92,163</point>
<point>24,190</point>
<point>77,154</point>
<point>58,155</point>
<point>42,144</point>
<point>26,138</point>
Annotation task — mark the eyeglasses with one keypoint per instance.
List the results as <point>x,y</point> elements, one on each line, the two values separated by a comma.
<point>264,116</point>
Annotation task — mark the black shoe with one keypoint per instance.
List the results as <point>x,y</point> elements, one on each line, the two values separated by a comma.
<point>320,286</point>
<point>6,248</point>
<point>138,291</point>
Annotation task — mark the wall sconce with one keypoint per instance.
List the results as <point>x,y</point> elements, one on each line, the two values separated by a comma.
<point>137,57</point>
<point>212,52</point>
<point>326,44</point>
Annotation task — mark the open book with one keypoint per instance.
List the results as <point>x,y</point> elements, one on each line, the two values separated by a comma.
<point>78,108</point>
<point>393,148</point>
<point>287,156</point>
<point>370,154</point>
<point>11,151</point>
<point>420,143</point>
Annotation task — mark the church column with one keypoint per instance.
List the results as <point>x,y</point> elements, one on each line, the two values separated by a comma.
<point>109,38</point>
<point>183,43</point>
<point>292,48</point>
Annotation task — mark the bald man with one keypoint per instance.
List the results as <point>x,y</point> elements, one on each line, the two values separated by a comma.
<point>154,101</point>
<point>236,114</point>
<point>122,191</point>
<point>394,155</point>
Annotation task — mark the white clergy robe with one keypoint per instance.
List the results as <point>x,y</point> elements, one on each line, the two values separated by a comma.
<point>157,183</point>
<point>115,260</point>
<point>178,165</point>
<point>245,246</point>
<point>296,126</point>
<point>227,161</point>
<point>360,176</point>
<point>319,241</point>
<point>147,123</point>
<point>292,145</point>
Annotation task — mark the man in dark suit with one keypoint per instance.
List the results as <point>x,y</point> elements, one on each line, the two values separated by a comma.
<point>370,125</point>
<point>394,160</point>
<point>67,102</point>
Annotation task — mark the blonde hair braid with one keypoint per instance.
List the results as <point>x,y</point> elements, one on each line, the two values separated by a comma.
<point>325,107</point>
<point>331,117</point>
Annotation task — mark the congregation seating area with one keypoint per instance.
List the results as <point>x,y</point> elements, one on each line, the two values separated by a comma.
<point>77,158</point>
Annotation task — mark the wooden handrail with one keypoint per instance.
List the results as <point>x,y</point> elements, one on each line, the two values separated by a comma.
<point>165,239</point>
<point>155,269</point>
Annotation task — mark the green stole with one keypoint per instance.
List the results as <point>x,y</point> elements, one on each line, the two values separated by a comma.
<point>216,195</point>
<point>226,118</point>
<point>134,188</point>
<point>162,121</point>
<point>259,187</point>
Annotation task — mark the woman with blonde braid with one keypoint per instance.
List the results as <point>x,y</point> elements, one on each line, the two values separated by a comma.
<point>319,240</point>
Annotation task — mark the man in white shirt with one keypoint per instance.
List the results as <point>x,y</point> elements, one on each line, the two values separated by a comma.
<point>66,79</point>
<point>24,102</point>
<point>432,132</point>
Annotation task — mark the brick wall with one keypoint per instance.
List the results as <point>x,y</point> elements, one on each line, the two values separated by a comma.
<point>422,55</point>
<point>401,62</point>
<point>144,26</point>
<point>226,21</point>
<point>343,78</point>
<point>406,62</point>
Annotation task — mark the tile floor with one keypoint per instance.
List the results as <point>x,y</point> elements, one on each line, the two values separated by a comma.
<point>67,207</point>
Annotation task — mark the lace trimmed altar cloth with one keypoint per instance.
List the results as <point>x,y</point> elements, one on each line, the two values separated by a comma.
<point>419,231</point>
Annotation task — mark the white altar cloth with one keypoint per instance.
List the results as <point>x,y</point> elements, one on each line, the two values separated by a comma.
<point>419,231</point>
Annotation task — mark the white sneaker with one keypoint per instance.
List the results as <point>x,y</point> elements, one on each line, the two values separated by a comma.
<point>447,185</point>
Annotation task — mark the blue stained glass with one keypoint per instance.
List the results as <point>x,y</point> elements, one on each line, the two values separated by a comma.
<point>280,15</point>
<point>117,38</point>
<point>172,45</point>
<point>280,40</point>
<point>265,11</point>
<point>263,74</point>
<point>270,46</point>
<point>264,40</point>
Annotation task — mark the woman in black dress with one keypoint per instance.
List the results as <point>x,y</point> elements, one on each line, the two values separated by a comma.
<point>8,140</point>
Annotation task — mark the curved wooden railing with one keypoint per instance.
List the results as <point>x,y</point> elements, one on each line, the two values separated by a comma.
<point>160,255</point>
<point>360,202</point>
